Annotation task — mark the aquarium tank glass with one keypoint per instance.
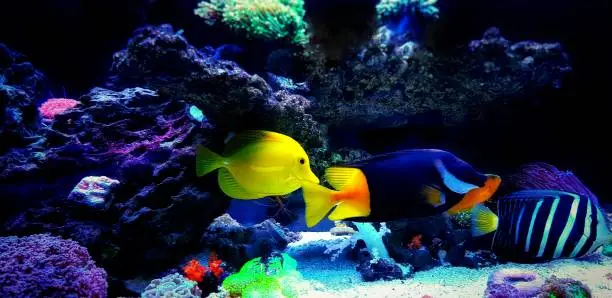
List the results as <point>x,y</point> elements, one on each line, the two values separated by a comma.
<point>305,149</point>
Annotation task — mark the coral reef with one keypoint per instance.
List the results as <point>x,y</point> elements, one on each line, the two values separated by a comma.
<point>161,60</point>
<point>93,191</point>
<point>260,19</point>
<point>173,285</point>
<point>135,136</point>
<point>47,266</point>
<point>394,82</point>
<point>20,86</point>
<point>564,288</point>
<point>236,244</point>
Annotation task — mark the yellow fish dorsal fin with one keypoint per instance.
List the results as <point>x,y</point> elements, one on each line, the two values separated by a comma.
<point>249,137</point>
<point>230,186</point>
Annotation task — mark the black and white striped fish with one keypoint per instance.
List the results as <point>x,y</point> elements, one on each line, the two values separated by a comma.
<point>540,225</point>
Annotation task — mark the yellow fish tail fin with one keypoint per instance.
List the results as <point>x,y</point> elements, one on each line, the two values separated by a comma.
<point>207,161</point>
<point>319,200</point>
<point>484,221</point>
<point>354,195</point>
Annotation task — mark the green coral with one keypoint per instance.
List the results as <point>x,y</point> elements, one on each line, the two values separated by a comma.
<point>390,8</point>
<point>276,278</point>
<point>260,19</point>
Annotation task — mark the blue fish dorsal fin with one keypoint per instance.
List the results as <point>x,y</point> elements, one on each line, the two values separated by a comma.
<point>543,176</point>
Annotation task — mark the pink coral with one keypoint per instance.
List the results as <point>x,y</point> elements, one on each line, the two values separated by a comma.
<point>54,106</point>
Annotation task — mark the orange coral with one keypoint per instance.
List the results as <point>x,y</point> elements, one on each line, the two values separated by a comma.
<point>194,271</point>
<point>416,242</point>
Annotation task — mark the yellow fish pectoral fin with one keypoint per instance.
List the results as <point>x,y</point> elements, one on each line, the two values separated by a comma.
<point>349,210</point>
<point>230,186</point>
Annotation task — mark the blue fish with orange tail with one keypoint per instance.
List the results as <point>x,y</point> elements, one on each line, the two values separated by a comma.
<point>552,215</point>
<point>403,184</point>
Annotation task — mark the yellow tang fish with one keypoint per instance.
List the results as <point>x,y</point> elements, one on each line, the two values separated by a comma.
<point>257,164</point>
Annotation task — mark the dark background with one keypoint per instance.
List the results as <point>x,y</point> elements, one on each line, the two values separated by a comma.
<point>72,42</point>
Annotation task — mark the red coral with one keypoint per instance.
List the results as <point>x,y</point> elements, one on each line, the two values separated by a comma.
<point>194,271</point>
<point>416,242</point>
<point>214,263</point>
<point>54,106</point>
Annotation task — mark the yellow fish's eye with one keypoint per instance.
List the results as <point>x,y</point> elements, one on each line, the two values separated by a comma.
<point>302,160</point>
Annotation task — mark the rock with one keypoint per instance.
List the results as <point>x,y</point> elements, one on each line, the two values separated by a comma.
<point>392,83</point>
<point>524,283</point>
<point>381,269</point>
<point>480,259</point>
<point>236,244</point>
<point>342,231</point>
<point>159,59</point>
<point>93,191</point>
<point>20,87</point>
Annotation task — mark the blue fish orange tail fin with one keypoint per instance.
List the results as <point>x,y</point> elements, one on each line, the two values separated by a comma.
<point>207,161</point>
<point>484,221</point>
<point>354,197</point>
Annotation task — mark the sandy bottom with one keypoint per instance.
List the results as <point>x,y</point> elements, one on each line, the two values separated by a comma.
<point>327,278</point>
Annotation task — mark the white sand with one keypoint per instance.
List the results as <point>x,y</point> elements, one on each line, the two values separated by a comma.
<point>340,279</point>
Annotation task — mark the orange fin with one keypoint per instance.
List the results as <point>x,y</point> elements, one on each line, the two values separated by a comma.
<point>354,194</point>
<point>477,196</point>
<point>434,196</point>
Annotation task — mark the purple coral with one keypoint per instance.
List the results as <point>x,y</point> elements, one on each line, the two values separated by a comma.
<point>47,266</point>
<point>513,282</point>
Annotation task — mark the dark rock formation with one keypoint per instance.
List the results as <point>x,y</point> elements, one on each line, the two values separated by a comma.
<point>236,244</point>
<point>145,141</point>
<point>20,87</point>
<point>394,82</point>
<point>159,59</point>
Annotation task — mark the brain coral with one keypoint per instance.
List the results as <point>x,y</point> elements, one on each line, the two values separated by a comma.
<point>47,266</point>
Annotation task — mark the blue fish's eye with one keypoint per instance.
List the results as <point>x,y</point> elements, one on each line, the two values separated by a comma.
<point>302,160</point>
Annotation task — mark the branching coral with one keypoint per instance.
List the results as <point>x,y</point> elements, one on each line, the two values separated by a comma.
<point>262,19</point>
